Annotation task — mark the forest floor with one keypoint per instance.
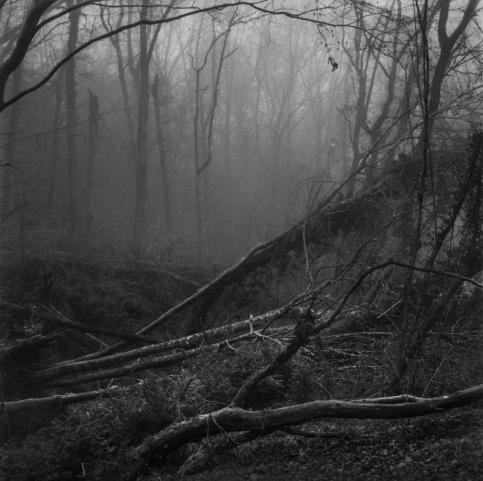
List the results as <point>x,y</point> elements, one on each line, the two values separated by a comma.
<point>88,441</point>
<point>440,447</point>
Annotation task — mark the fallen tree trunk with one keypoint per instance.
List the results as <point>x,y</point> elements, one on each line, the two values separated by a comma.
<point>304,330</point>
<point>140,364</point>
<point>349,323</point>
<point>323,219</point>
<point>128,362</point>
<point>60,318</point>
<point>56,401</point>
<point>116,372</point>
<point>232,419</point>
<point>195,340</point>
<point>354,212</point>
<point>55,377</point>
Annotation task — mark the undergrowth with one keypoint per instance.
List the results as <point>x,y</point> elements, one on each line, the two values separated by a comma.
<point>92,440</point>
<point>92,294</point>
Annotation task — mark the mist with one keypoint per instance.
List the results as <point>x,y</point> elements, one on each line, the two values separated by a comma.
<point>216,133</point>
<point>228,221</point>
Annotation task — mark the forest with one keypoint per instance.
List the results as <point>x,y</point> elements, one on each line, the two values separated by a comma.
<point>241,240</point>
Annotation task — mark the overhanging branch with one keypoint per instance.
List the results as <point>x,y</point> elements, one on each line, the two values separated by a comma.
<point>33,26</point>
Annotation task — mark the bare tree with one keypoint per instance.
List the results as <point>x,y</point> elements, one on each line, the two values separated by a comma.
<point>146,47</point>
<point>73,168</point>
<point>157,92</point>
<point>203,123</point>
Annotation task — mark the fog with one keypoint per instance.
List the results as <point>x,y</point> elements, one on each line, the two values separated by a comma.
<point>194,139</point>
<point>223,221</point>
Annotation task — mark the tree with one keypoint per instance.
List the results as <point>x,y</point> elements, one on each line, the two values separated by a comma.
<point>203,123</point>
<point>73,167</point>
<point>158,88</point>
<point>347,273</point>
<point>139,233</point>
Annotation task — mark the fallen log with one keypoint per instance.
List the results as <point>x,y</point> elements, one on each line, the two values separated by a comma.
<point>353,212</point>
<point>56,377</point>
<point>60,318</point>
<point>132,361</point>
<point>338,330</point>
<point>140,364</point>
<point>183,342</point>
<point>117,372</point>
<point>188,342</point>
<point>325,218</point>
<point>86,340</point>
<point>233,419</point>
<point>56,401</point>
<point>327,322</point>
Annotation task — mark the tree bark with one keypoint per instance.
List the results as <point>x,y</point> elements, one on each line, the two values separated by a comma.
<point>55,146</point>
<point>91,160</point>
<point>146,48</point>
<point>128,369</point>
<point>54,402</point>
<point>165,180</point>
<point>447,44</point>
<point>10,204</point>
<point>59,318</point>
<point>235,419</point>
<point>22,45</point>
<point>139,233</point>
<point>71,116</point>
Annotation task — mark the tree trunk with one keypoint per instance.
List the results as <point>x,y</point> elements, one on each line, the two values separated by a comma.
<point>10,203</point>
<point>165,180</point>
<point>56,401</point>
<point>91,159</point>
<point>55,147</point>
<point>139,234</point>
<point>234,419</point>
<point>71,131</point>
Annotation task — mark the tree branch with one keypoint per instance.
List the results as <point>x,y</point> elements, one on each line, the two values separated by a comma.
<point>31,28</point>
<point>235,419</point>
<point>22,45</point>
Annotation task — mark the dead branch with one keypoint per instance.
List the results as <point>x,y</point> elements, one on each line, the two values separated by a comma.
<point>400,398</point>
<point>191,347</point>
<point>139,364</point>
<point>233,419</point>
<point>124,370</point>
<point>58,317</point>
<point>57,401</point>
<point>311,326</point>
<point>304,331</point>
<point>188,342</point>
<point>352,212</point>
